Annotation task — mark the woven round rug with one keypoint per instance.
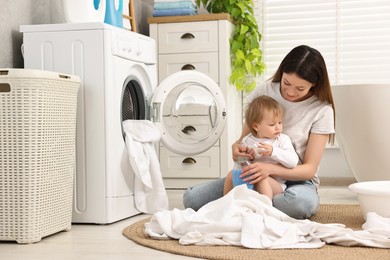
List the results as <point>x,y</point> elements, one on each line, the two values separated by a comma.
<point>348,215</point>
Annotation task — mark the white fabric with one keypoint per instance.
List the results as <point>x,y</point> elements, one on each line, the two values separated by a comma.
<point>149,191</point>
<point>315,116</point>
<point>246,218</point>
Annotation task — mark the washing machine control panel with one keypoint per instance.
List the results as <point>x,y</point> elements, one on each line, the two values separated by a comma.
<point>132,46</point>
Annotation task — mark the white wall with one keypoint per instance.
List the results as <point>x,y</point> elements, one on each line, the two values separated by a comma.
<point>14,13</point>
<point>333,165</point>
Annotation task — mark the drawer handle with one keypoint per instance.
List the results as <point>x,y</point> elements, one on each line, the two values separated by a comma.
<point>188,67</point>
<point>188,36</point>
<point>5,87</point>
<point>189,160</point>
<point>188,129</point>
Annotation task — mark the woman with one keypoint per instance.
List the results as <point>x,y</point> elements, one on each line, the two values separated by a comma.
<point>301,85</point>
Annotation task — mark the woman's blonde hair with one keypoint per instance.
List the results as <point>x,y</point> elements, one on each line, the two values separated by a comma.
<point>255,110</point>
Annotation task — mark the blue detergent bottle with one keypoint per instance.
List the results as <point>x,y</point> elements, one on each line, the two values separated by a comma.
<point>114,16</point>
<point>237,170</point>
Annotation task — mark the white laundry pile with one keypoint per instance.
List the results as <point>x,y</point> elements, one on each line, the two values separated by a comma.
<point>246,218</point>
<point>149,191</point>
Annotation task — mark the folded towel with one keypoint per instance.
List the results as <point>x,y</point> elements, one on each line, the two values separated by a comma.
<point>246,218</point>
<point>149,191</point>
<point>175,12</point>
<point>174,5</point>
<point>175,1</point>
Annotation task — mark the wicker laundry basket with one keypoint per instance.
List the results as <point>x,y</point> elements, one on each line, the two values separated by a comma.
<point>37,153</point>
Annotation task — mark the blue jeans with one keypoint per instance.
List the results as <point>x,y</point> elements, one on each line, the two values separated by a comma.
<point>300,200</point>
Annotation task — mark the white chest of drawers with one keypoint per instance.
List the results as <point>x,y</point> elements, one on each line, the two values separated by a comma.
<point>199,42</point>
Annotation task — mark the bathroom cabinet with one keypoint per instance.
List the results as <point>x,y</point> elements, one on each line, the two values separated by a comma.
<point>198,42</point>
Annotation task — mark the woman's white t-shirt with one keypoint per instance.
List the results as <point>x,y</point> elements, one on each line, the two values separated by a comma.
<point>299,118</point>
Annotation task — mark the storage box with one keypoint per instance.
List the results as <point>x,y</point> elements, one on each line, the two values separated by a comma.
<point>37,153</point>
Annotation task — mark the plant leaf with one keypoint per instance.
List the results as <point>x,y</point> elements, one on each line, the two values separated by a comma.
<point>248,66</point>
<point>241,6</point>
<point>236,12</point>
<point>256,52</point>
<point>244,29</point>
<point>240,55</point>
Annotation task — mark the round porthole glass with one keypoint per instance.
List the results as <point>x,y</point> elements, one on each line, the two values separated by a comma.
<point>190,112</point>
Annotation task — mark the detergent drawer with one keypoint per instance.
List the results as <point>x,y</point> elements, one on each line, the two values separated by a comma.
<point>204,165</point>
<point>188,37</point>
<point>205,62</point>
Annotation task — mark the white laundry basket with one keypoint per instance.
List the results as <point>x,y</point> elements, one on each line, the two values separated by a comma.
<point>37,153</point>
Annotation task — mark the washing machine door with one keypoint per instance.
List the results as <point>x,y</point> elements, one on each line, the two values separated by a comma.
<point>189,110</point>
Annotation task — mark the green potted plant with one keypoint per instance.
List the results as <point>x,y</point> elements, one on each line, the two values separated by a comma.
<point>246,56</point>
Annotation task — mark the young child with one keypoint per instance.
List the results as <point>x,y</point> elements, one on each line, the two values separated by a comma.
<point>266,143</point>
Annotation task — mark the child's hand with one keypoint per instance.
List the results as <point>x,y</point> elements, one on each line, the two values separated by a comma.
<point>265,149</point>
<point>254,150</point>
<point>260,150</point>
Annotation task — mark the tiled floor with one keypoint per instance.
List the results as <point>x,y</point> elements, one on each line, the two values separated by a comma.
<point>97,242</point>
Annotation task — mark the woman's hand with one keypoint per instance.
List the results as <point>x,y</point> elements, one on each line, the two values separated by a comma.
<point>240,151</point>
<point>256,172</point>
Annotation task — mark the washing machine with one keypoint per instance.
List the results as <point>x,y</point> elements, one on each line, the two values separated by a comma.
<point>118,76</point>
